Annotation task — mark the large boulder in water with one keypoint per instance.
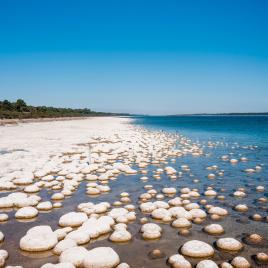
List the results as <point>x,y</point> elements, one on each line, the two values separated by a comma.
<point>101,257</point>
<point>39,238</point>
<point>73,219</point>
<point>229,244</point>
<point>197,249</point>
<point>74,255</point>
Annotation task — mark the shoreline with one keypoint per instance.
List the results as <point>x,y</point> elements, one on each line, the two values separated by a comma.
<point>40,139</point>
<point>83,174</point>
<point>14,121</point>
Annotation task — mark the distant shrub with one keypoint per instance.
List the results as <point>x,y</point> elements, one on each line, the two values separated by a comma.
<point>20,110</point>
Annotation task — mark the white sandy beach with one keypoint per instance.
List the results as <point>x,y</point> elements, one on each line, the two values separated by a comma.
<point>27,146</point>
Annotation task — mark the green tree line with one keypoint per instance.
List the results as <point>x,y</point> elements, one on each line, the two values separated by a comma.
<point>20,110</point>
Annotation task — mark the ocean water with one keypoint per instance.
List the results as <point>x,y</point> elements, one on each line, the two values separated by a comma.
<point>245,129</point>
<point>236,136</point>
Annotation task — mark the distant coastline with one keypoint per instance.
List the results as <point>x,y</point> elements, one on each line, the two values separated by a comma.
<point>13,112</point>
<point>19,110</point>
<point>220,114</point>
<point>201,114</point>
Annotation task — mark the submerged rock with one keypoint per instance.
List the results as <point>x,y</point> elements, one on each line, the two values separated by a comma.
<point>101,257</point>
<point>156,254</point>
<point>3,217</point>
<point>262,257</point>
<point>73,219</point>
<point>178,261</point>
<point>3,257</point>
<point>79,236</point>
<point>73,255</point>
<point>214,229</point>
<point>197,249</point>
<point>207,264</point>
<point>39,238</point>
<point>181,223</point>
<point>240,262</point>
<point>64,245</point>
<point>26,213</point>
<point>58,265</point>
<point>2,237</point>
<point>151,231</point>
<point>120,236</point>
<point>229,244</point>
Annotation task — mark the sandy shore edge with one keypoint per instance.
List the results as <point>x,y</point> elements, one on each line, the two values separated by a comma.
<point>28,146</point>
<point>4,122</point>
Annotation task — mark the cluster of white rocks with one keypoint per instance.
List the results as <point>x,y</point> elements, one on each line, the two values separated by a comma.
<point>199,249</point>
<point>100,257</point>
<point>151,231</point>
<point>181,211</point>
<point>96,156</point>
<point>66,242</point>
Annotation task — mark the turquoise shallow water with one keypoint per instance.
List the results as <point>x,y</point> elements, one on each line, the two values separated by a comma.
<point>236,136</point>
<point>231,130</point>
<point>246,129</point>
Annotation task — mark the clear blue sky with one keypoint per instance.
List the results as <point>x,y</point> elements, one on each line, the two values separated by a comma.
<point>141,56</point>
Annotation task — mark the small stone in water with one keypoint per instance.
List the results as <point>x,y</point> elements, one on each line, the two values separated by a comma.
<point>240,262</point>
<point>255,238</point>
<point>156,254</point>
<point>262,257</point>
